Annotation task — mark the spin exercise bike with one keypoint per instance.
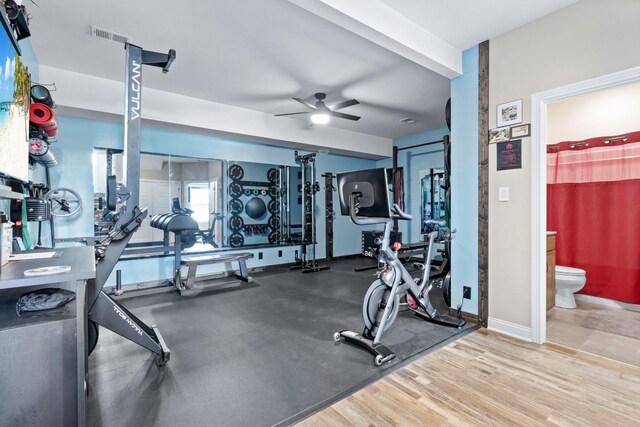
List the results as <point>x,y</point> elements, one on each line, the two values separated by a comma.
<point>364,196</point>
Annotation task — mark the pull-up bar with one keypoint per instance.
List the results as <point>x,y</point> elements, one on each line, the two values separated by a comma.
<point>421,145</point>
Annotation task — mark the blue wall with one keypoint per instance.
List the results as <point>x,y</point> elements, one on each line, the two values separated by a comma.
<point>413,161</point>
<point>78,137</point>
<point>464,181</point>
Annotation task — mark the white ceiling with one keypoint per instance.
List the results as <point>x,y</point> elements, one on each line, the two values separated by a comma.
<point>465,23</point>
<point>259,54</point>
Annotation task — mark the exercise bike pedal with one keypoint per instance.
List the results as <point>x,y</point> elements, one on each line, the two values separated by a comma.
<point>381,353</point>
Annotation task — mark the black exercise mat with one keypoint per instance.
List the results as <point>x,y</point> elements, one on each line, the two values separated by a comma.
<point>260,355</point>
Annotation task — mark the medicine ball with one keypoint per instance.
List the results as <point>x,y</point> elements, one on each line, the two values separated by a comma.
<point>255,208</point>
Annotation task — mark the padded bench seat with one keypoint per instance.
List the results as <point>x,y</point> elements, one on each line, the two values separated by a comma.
<point>189,287</point>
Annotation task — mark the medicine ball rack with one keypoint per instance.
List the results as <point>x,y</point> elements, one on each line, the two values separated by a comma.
<point>254,208</point>
<point>307,263</point>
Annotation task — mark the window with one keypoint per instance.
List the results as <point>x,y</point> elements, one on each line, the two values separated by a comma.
<point>198,202</point>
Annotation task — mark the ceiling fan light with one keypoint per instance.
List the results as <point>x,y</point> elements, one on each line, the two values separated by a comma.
<point>320,118</point>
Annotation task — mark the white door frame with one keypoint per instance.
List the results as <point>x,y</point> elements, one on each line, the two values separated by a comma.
<point>539,102</point>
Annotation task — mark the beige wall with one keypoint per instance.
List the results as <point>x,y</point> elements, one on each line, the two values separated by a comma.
<point>604,113</point>
<point>589,39</point>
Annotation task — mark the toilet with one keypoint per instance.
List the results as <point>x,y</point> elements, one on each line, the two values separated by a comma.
<point>569,280</point>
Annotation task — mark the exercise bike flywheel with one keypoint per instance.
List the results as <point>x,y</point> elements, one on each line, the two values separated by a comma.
<point>371,303</point>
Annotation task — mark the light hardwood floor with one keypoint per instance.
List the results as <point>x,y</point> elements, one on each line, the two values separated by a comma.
<point>606,331</point>
<point>489,379</point>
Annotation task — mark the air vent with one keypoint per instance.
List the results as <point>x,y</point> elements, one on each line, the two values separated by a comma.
<point>101,33</point>
<point>408,120</point>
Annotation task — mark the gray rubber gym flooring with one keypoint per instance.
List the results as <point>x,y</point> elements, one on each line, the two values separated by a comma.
<point>261,355</point>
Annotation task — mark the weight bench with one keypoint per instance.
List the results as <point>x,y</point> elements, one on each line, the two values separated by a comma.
<point>189,287</point>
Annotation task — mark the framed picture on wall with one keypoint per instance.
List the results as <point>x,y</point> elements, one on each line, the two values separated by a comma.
<point>509,155</point>
<point>499,134</point>
<point>520,131</point>
<point>509,113</point>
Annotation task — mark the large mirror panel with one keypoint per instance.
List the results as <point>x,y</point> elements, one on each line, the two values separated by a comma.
<point>433,198</point>
<point>167,184</point>
<point>201,196</point>
<point>235,204</point>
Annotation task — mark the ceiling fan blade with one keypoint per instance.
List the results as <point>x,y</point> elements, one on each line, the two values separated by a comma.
<point>343,104</point>
<point>292,114</point>
<point>344,116</point>
<point>305,103</point>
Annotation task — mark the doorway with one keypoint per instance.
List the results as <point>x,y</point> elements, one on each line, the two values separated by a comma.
<point>539,103</point>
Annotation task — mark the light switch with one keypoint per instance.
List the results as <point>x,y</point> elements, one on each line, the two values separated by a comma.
<point>503,194</point>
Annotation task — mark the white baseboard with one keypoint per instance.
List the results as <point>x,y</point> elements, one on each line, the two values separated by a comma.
<point>607,302</point>
<point>508,328</point>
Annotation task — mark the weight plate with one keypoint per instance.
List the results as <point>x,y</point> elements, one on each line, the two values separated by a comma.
<point>256,192</point>
<point>273,191</point>
<point>263,192</point>
<point>236,223</point>
<point>236,206</point>
<point>236,240</point>
<point>273,207</point>
<point>235,189</point>
<point>274,237</point>
<point>236,173</point>
<point>247,193</point>
<point>274,221</point>
<point>272,175</point>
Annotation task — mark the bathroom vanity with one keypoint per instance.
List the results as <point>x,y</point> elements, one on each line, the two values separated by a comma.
<point>551,269</point>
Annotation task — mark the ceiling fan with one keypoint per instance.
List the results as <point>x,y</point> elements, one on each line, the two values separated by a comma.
<point>321,112</point>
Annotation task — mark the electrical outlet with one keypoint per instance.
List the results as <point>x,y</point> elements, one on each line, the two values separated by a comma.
<point>259,255</point>
<point>466,292</point>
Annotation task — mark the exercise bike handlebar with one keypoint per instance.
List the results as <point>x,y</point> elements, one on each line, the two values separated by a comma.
<point>399,213</point>
<point>436,222</point>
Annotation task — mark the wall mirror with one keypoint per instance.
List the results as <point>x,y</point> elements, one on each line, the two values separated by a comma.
<point>433,197</point>
<point>235,204</point>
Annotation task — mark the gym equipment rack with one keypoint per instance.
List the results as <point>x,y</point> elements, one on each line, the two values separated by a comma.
<point>308,263</point>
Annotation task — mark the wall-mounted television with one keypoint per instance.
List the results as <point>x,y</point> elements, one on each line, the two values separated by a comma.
<point>14,112</point>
